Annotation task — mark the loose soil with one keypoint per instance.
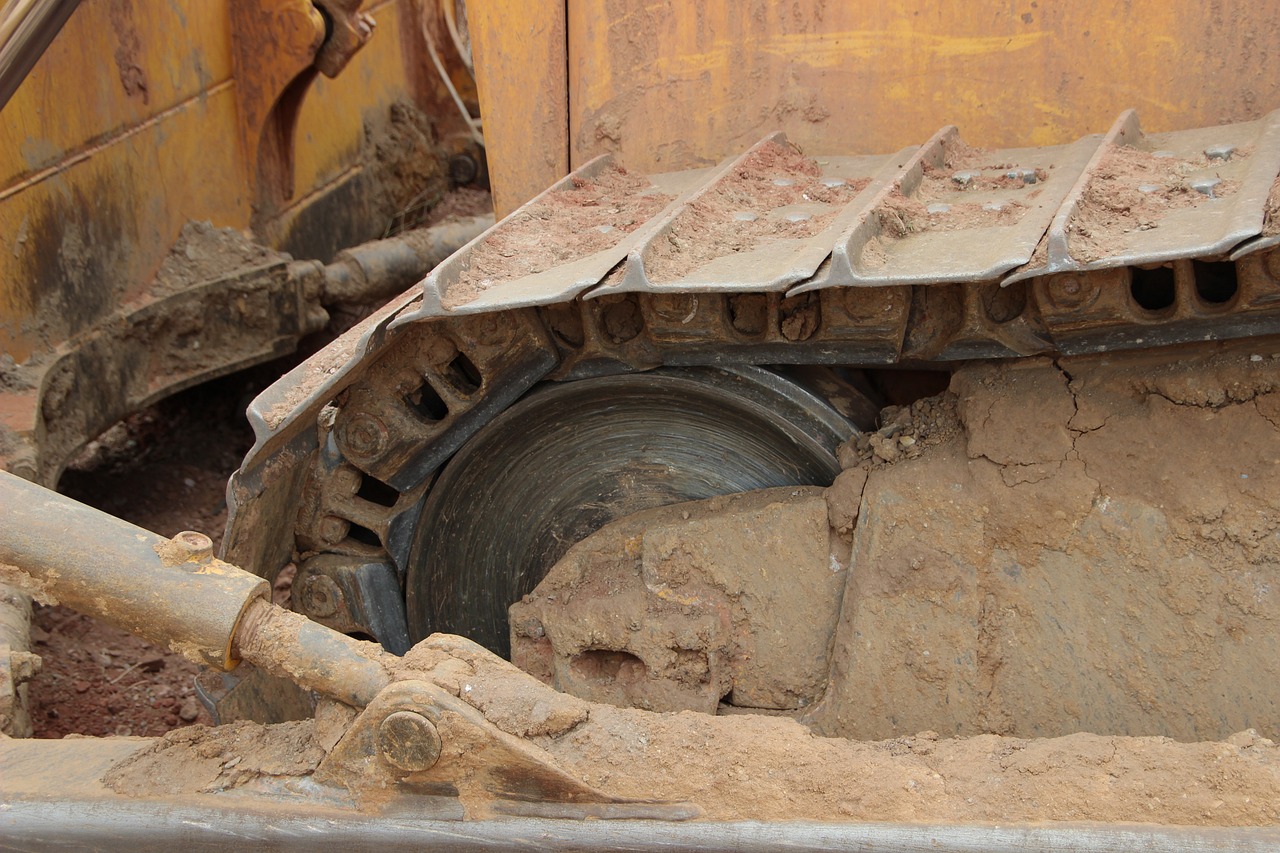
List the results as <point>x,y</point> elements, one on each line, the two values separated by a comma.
<point>164,469</point>
<point>734,214</point>
<point>1113,205</point>
<point>564,226</point>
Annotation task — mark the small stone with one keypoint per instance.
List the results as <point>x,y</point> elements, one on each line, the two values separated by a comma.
<point>1255,358</point>
<point>937,208</point>
<point>906,441</point>
<point>81,686</point>
<point>1206,186</point>
<point>1027,176</point>
<point>993,206</point>
<point>965,178</point>
<point>190,710</point>
<point>1219,152</point>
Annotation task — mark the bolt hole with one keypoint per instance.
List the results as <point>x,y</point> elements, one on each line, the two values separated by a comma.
<point>1215,282</point>
<point>377,492</point>
<point>606,666</point>
<point>426,402</point>
<point>749,313</point>
<point>463,375</point>
<point>1003,304</point>
<point>1153,290</point>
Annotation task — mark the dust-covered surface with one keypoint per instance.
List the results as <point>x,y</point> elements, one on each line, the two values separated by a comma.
<point>1133,190</point>
<point>201,759</point>
<point>775,193</point>
<point>204,253</point>
<point>565,225</point>
<point>768,768</point>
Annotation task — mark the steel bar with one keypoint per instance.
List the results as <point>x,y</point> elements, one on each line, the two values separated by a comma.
<point>120,824</point>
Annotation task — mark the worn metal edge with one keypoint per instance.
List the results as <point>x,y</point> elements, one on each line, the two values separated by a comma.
<point>1058,254</point>
<point>1020,239</point>
<point>634,277</point>
<point>360,340</point>
<point>866,224</point>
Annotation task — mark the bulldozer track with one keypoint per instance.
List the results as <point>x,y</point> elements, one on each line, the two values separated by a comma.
<point>926,257</point>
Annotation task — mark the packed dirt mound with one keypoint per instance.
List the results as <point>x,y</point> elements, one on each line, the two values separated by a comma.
<point>1092,550</point>
<point>765,768</point>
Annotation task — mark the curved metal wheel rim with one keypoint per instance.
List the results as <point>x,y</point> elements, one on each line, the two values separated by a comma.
<point>569,458</point>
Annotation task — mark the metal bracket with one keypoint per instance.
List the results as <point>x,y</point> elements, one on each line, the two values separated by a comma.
<point>352,595</point>
<point>417,738</point>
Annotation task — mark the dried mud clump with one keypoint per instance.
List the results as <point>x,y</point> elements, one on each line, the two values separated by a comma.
<point>1271,214</point>
<point>565,225</point>
<point>743,209</point>
<point>906,432</point>
<point>1134,190</point>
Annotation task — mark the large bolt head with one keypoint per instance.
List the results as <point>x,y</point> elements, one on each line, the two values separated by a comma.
<point>194,545</point>
<point>409,741</point>
<point>320,596</point>
<point>363,436</point>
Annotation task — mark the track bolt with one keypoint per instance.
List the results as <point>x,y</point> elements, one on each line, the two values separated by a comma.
<point>321,596</point>
<point>409,741</point>
<point>1070,292</point>
<point>463,169</point>
<point>194,545</point>
<point>333,529</point>
<point>363,436</point>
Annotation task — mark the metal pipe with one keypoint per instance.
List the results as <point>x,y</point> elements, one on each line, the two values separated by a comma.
<point>26,31</point>
<point>172,592</point>
<point>380,269</point>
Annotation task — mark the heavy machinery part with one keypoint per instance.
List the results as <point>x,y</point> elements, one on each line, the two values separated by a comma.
<point>171,592</point>
<point>945,214</point>
<point>390,404</point>
<point>599,76</point>
<point>570,458</point>
<point>454,733</point>
<point>150,826</point>
<point>177,338</point>
<point>25,31</point>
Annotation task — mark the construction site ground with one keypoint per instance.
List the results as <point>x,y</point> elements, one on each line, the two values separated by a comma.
<point>1128,503</point>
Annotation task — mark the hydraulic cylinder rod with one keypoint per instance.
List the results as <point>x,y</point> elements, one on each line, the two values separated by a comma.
<point>171,592</point>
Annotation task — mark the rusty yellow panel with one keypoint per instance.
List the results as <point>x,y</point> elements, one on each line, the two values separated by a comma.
<point>331,123</point>
<point>519,51</point>
<point>670,85</point>
<point>115,65</point>
<point>83,240</point>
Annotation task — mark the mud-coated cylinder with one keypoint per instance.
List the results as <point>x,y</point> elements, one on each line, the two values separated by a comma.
<point>173,593</point>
